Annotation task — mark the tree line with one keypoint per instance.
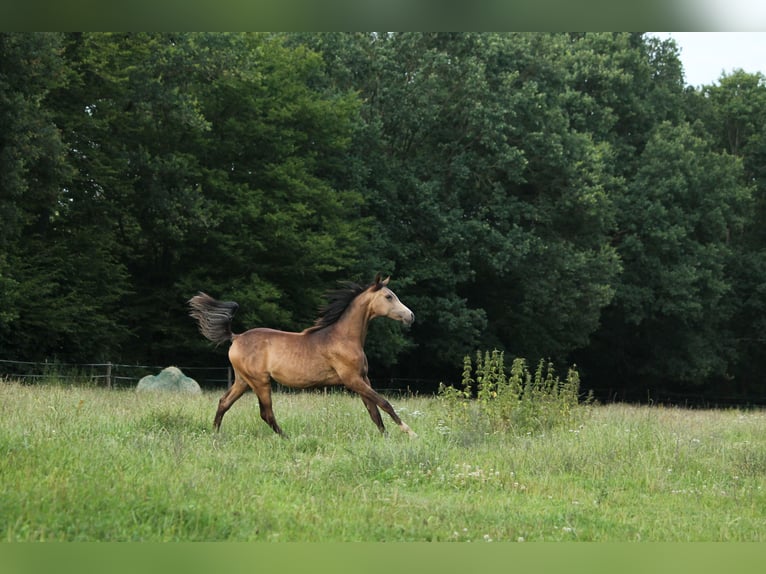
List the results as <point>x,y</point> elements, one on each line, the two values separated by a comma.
<point>556,196</point>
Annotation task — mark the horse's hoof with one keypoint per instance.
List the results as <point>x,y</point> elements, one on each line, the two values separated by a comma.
<point>405,428</point>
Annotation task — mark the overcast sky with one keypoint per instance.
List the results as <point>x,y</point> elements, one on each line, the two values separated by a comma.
<point>705,55</point>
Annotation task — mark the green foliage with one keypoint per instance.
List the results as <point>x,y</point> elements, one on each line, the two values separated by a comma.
<point>180,162</point>
<point>549,195</point>
<point>521,402</point>
<point>677,217</point>
<point>491,202</point>
<point>733,112</point>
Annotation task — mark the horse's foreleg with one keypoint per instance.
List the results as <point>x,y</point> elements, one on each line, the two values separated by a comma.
<point>363,388</point>
<point>229,398</point>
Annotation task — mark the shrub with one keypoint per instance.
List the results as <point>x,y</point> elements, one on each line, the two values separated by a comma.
<point>521,402</point>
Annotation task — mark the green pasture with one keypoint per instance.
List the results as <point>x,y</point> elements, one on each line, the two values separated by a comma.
<point>84,463</point>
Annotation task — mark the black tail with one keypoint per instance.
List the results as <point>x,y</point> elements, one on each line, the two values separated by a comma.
<point>213,317</point>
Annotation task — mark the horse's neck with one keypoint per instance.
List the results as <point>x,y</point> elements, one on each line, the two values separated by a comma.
<point>354,322</point>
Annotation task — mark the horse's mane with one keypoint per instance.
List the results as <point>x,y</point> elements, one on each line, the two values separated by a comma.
<point>338,301</point>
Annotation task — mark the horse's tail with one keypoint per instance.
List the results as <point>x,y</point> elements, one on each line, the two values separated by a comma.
<point>213,317</point>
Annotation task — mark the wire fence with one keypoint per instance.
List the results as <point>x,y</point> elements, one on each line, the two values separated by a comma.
<point>118,375</point>
<point>109,375</point>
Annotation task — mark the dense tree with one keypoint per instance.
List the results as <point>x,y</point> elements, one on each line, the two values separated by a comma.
<point>558,196</point>
<point>546,297</point>
<point>733,112</point>
<point>192,162</point>
<point>59,280</point>
<point>669,321</point>
<point>273,150</point>
<point>492,205</point>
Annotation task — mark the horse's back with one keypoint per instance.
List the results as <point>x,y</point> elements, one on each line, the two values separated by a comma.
<point>262,340</point>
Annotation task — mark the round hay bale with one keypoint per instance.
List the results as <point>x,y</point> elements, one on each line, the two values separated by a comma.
<point>170,379</point>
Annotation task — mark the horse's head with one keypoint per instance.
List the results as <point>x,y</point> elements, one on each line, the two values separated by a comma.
<point>385,303</point>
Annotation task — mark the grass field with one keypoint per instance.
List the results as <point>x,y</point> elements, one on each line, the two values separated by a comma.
<point>79,463</point>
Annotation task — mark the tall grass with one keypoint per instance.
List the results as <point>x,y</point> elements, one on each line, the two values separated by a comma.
<point>80,463</point>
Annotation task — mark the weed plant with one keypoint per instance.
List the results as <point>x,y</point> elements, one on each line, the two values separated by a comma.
<point>521,402</point>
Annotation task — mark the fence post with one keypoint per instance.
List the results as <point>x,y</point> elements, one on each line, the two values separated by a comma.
<point>109,375</point>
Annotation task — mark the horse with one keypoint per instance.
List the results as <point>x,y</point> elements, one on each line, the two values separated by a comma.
<point>329,353</point>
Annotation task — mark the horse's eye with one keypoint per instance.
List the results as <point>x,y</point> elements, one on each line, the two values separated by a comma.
<point>389,297</point>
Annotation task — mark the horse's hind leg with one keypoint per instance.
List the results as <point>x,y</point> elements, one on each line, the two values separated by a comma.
<point>262,388</point>
<point>267,414</point>
<point>229,398</point>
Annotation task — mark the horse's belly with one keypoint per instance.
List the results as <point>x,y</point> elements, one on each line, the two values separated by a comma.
<point>295,366</point>
<point>304,376</point>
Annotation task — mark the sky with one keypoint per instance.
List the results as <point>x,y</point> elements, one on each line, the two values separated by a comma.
<point>705,55</point>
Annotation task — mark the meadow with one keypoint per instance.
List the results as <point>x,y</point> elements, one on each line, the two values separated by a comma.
<point>80,463</point>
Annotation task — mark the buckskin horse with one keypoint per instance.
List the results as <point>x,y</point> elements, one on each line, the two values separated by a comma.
<point>329,353</point>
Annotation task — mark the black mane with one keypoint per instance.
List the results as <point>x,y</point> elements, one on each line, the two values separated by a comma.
<point>337,303</point>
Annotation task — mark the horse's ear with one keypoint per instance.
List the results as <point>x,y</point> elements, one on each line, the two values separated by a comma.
<point>380,282</point>
<point>386,280</point>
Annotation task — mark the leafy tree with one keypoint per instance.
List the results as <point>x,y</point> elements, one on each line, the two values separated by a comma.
<point>58,282</point>
<point>546,298</point>
<point>734,113</point>
<point>130,118</point>
<point>281,229</point>
<point>623,85</point>
<point>669,320</point>
<point>31,154</point>
<point>143,167</point>
<point>556,196</point>
<point>211,152</point>
<point>492,206</point>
